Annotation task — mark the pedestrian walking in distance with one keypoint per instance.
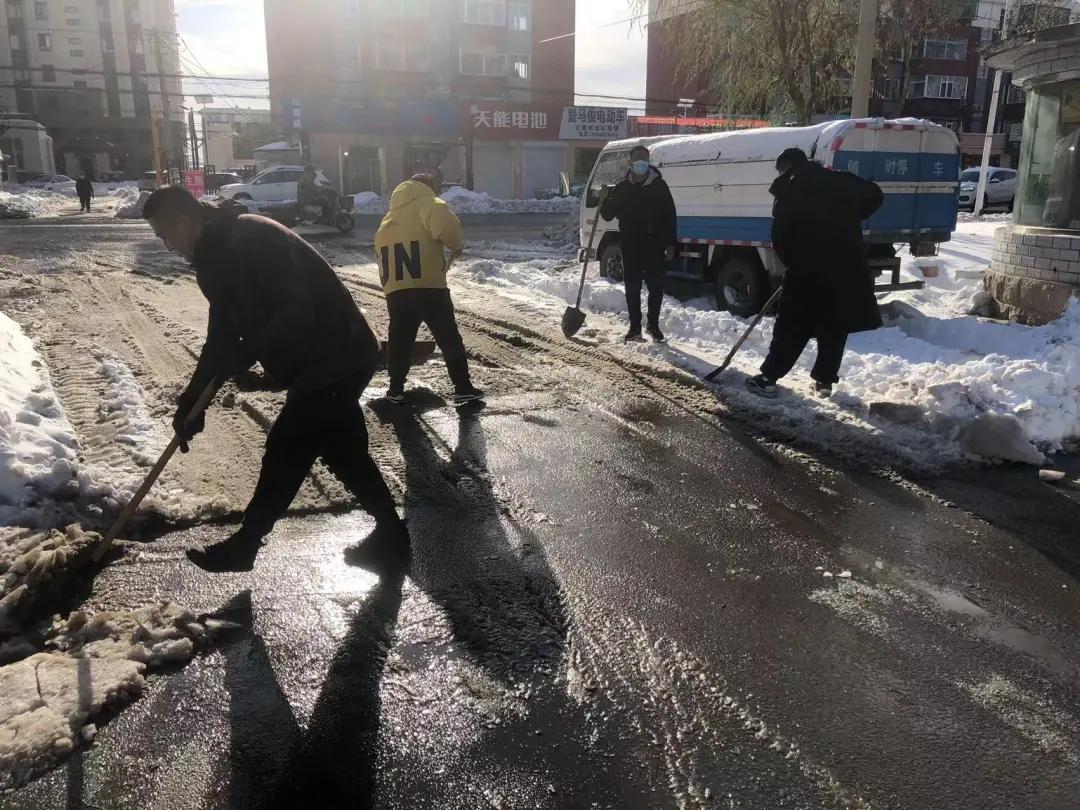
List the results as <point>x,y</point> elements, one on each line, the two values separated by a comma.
<point>275,300</point>
<point>828,290</point>
<point>84,188</point>
<point>647,233</point>
<point>410,247</point>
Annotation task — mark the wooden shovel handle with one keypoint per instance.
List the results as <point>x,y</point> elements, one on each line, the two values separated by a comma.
<point>200,405</point>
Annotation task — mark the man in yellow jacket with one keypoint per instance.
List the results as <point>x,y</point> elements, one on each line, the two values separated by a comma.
<point>411,246</point>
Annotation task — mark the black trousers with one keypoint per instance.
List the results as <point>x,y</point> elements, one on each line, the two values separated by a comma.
<point>84,204</point>
<point>795,325</point>
<point>638,266</point>
<point>326,423</point>
<point>410,308</point>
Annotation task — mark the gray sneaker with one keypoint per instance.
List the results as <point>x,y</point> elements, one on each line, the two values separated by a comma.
<point>762,386</point>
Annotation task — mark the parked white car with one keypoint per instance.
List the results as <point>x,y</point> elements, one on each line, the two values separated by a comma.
<point>52,182</point>
<point>276,184</point>
<point>1000,188</point>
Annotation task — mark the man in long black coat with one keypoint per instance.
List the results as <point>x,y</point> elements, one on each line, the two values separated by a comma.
<point>643,205</point>
<point>828,290</point>
<point>84,188</point>
<point>275,300</point>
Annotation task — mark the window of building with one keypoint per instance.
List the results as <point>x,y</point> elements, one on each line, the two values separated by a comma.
<point>485,12</point>
<point>892,89</point>
<point>44,42</point>
<point>405,9</point>
<point>80,84</point>
<point>14,12</point>
<point>103,10</point>
<point>15,42</point>
<point>520,16</point>
<point>952,87</point>
<point>48,73</point>
<point>106,45</point>
<point>74,22</point>
<point>350,8</point>
<point>480,63</point>
<point>41,11</point>
<point>944,47</point>
<point>22,75</point>
<point>1015,95</point>
<point>519,66</point>
<point>399,56</point>
<point>71,9</point>
<point>77,53</point>
<point>14,147</point>
<point>74,40</point>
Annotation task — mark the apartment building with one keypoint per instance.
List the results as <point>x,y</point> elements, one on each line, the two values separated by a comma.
<point>92,72</point>
<point>471,90</point>
<point>230,135</point>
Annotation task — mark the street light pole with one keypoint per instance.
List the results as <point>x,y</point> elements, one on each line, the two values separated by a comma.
<point>991,123</point>
<point>864,59</point>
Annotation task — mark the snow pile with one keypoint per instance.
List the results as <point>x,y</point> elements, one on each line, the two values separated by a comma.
<point>19,203</point>
<point>97,661</point>
<point>38,448</point>
<point>965,217</point>
<point>35,566</point>
<point>936,385</point>
<point>463,201</point>
<point>130,202</point>
<point>125,407</point>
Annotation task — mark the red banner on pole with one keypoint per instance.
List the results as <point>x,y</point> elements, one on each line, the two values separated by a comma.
<point>195,182</point>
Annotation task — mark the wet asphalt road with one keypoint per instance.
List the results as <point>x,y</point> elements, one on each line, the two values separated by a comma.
<point>614,601</point>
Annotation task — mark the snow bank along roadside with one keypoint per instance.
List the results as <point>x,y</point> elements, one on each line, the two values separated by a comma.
<point>93,663</point>
<point>936,385</point>
<point>463,201</point>
<point>19,202</point>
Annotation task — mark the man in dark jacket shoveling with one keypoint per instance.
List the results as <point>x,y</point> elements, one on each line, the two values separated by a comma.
<point>275,300</point>
<point>647,233</point>
<point>828,289</point>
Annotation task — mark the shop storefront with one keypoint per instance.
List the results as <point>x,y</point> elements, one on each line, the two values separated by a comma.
<point>588,130</point>
<point>1035,269</point>
<point>515,148</point>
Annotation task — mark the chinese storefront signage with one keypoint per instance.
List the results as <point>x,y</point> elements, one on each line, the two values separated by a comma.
<point>593,124</point>
<point>508,121</point>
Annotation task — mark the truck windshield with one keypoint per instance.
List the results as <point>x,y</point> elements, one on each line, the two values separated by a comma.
<point>610,168</point>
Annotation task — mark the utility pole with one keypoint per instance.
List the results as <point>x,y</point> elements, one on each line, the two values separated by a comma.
<point>991,123</point>
<point>194,140</point>
<point>864,59</point>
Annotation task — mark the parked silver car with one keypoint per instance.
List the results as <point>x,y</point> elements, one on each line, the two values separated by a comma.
<point>1000,188</point>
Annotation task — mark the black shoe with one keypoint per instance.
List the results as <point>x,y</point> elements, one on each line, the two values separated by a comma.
<point>234,554</point>
<point>467,395</point>
<point>762,386</point>
<point>385,548</point>
<point>823,390</point>
<point>633,335</point>
<point>395,396</point>
<point>656,334</point>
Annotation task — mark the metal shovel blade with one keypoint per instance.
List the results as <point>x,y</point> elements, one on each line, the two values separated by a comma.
<point>572,319</point>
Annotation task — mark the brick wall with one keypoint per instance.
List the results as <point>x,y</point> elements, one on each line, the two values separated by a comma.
<point>1023,252</point>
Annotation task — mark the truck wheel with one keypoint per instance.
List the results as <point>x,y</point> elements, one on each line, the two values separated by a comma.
<point>345,222</point>
<point>1012,202</point>
<point>242,196</point>
<point>741,286</point>
<point>611,263</point>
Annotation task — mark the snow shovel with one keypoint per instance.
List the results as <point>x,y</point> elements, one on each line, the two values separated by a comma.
<point>716,372</point>
<point>573,317</point>
<point>118,526</point>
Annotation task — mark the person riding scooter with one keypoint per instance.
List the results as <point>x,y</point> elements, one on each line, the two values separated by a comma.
<point>309,192</point>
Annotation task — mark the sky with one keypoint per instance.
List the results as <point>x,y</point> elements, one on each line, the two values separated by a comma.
<point>228,39</point>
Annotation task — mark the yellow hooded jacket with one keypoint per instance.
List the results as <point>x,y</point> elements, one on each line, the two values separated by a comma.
<point>409,243</point>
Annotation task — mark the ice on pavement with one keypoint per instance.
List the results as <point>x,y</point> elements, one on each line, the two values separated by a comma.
<point>35,565</point>
<point>93,662</point>
<point>463,201</point>
<point>936,385</point>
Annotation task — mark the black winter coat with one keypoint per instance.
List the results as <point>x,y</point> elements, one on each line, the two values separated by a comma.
<point>817,232</point>
<point>646,214</point>
<point>274,299</point>
<point>84,188</point>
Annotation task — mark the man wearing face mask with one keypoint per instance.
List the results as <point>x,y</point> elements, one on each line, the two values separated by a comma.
<point>646,212</point>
